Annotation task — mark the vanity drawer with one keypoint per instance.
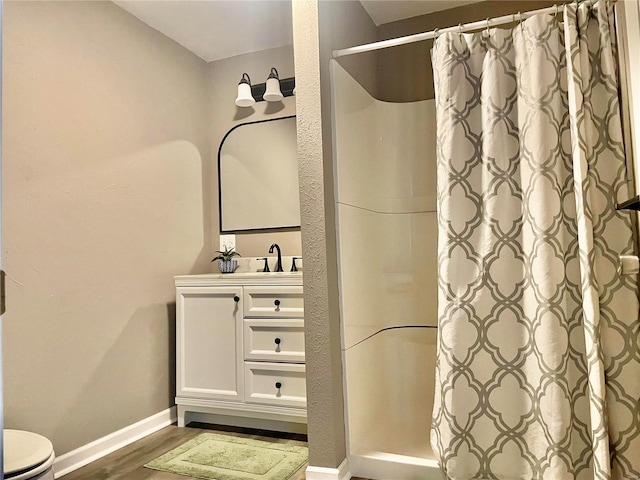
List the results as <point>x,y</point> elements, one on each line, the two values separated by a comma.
<point>273,301</point>
<point>263,379</point>
<point>274,340</point>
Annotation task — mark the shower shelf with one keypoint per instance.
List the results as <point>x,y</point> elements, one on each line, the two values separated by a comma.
<point>631,204</point>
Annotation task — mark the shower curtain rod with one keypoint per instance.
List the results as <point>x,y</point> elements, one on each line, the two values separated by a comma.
<point>418,37</point>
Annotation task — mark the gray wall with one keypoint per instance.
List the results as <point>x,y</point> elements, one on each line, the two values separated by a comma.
<point>404,73</point>
<point>104,138</point>
<point>110,140</point>
<point>345,24</point>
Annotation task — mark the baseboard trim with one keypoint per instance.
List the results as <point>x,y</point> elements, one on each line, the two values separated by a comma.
<point>323,473</point>
<point>90,452</point>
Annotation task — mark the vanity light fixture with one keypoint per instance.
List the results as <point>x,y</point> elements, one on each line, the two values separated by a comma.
<point>245,98</point>
<point>274,90</point>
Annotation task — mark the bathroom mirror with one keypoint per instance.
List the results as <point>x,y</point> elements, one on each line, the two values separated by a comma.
<point>258,176</point>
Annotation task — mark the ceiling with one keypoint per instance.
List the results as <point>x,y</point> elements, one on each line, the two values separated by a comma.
<point>216,29</point>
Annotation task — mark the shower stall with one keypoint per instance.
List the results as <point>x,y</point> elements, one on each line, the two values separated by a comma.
<point>523,259</point>
<point>385,193</point>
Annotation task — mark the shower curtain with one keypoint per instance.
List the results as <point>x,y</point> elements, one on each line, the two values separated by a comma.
<point>538,373</point>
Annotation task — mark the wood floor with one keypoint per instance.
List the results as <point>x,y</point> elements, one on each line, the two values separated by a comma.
<point>127,463</point>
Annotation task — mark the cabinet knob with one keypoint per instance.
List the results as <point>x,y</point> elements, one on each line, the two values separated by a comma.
<point>278,385</point>
<point>236,298</point>
<point>277,340</point>
<point>276,302</point>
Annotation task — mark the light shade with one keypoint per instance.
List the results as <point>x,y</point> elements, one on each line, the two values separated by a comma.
<point>272,92</point>
<point>245,98</point>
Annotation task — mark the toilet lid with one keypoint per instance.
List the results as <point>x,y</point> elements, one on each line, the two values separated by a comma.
<point>24,450</point>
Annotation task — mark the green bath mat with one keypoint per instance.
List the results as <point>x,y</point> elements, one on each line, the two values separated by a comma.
<point>222,457</point>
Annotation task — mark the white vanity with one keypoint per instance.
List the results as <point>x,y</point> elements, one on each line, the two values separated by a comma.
<point>240,348</point>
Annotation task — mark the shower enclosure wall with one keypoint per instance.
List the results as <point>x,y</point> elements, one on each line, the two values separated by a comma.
<point>387,230</point>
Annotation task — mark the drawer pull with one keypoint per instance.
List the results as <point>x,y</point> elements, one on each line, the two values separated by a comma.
<point>278,385</point>
<point>276,302</point>
<point>236,298</point>
<point>277,340</point>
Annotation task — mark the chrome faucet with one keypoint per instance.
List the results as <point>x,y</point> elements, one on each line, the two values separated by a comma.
<point>279,264</point>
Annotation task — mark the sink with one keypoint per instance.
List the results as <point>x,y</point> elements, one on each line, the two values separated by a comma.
<point>253,267</point>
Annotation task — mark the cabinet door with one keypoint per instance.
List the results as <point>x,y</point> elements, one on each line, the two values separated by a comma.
<point>209,343</point>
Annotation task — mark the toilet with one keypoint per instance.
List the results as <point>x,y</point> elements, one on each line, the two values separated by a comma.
<point>27,456</point>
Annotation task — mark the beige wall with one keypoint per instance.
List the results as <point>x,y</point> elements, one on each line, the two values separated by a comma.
<point>111,133</point>
<point>319,27</point>
<point>222,82</point>
<point>106,196</point>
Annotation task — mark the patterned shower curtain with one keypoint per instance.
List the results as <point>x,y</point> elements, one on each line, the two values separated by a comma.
<point>538,373</point>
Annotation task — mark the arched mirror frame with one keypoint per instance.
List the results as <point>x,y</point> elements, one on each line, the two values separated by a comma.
<point>259,192</point>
